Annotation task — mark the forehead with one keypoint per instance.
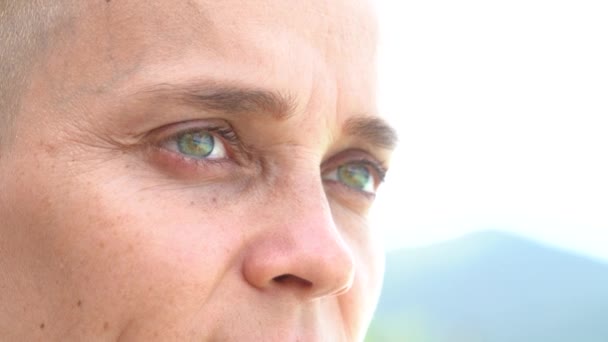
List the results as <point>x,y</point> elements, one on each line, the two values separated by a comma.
<point>338,34</point>
<point>319,22</point>
<point>319,52</point>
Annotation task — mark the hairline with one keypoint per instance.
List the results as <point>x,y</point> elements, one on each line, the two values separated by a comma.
<point>27,31</point>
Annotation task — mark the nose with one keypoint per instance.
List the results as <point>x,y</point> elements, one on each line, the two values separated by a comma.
<point>300,250</point>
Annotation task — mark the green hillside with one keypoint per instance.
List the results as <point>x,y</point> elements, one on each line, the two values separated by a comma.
<point>492,287</point>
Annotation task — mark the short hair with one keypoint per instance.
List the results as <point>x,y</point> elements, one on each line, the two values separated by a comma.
<point>25,33</point>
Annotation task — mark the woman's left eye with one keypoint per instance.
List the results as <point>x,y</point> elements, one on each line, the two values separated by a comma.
<point>198,144</point>
<point>355,175</point>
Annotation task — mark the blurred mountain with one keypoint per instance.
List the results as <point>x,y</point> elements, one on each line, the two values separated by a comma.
<point>492,287</point>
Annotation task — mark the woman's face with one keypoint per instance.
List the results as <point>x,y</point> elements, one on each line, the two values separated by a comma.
<point>196,170</point>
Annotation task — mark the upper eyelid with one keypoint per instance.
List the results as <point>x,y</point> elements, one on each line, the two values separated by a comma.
<point>214,131</point>
<point>171,130</point>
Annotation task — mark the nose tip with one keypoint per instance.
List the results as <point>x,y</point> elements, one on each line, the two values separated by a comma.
<point>310,265</point>
<point>299,250</point>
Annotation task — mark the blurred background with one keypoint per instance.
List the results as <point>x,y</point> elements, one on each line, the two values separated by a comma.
<point>495,212</point>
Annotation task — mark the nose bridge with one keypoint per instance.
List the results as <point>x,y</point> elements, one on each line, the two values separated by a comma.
<point>304,192</point>
<point>299,248</point>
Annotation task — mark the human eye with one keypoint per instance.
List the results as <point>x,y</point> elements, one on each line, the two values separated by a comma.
<point>363,176</point>
<point>197,150</point>
<point>197,143</point>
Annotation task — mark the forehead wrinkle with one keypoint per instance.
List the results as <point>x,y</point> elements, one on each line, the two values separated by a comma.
<point>227,98</point>
<point>146,31</point>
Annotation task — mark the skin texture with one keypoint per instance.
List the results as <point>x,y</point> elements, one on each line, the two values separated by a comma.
<point>107,233</point>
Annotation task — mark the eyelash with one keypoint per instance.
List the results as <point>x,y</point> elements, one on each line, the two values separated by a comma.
<point>227,133</point>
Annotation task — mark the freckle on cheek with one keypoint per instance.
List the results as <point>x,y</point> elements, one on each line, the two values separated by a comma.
<point>49,149</point>
<point>41,326</point>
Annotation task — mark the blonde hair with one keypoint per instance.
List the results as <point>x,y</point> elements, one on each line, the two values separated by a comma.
<point>25,33</point>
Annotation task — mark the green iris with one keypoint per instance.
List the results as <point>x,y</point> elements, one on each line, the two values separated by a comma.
<point>198,144</point>
<point>356,176</point>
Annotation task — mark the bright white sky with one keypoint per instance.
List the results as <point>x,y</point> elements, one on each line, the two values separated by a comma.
<point>502,107</point>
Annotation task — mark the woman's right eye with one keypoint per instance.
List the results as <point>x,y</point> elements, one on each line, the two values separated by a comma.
<point>197,144</point>
<point>197,150</point>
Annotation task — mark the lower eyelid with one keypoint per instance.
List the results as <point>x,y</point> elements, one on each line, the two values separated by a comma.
<point>180,166</point>
<point>347,193</point>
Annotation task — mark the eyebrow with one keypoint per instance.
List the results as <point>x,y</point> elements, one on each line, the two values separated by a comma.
<point>227,99</point>
<point>237,100</point>
<point>373,129</point>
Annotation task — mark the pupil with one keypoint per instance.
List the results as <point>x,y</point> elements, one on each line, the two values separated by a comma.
<point>356,176</point>
<point>196,144</point>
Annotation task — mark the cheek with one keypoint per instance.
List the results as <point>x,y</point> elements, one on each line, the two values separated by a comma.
<point>160,245</point>
<point>106,240</point>
<point>359,303</point>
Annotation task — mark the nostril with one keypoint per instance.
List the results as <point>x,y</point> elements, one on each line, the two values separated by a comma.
<point>290,279</point>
